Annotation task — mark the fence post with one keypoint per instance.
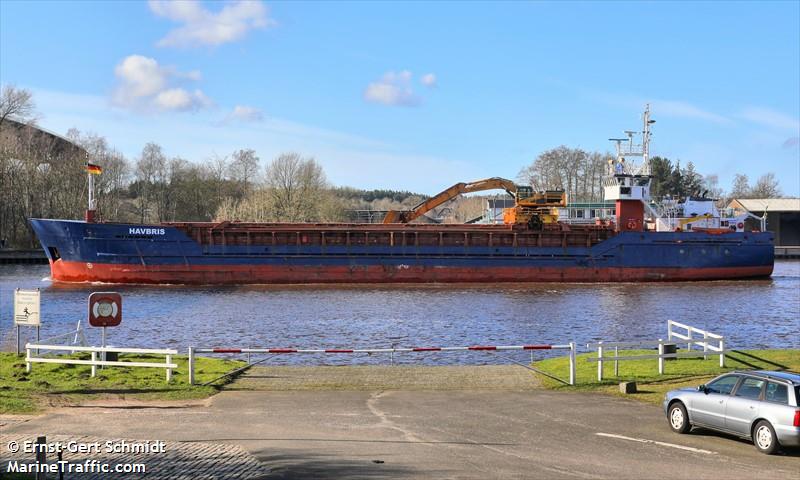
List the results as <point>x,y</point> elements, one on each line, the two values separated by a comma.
<point>705,344</point>
<point>722,352</point>
<point>689,342</point>
<point>600,361</point>
<point>572,363</point>
<point>27,359</point>
<point>616,362</point>
<point>669,330</point>
<point>169,370</point>
<point>94,366</point>
<point>660,357</point>
<point>191,365</point>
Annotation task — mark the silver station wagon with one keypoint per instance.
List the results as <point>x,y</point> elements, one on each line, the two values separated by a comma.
<point>759,405</point>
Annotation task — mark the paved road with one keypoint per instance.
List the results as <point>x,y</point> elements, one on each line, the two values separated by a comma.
<point>422,434</point>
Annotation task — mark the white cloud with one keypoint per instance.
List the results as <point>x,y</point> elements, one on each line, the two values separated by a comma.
<point>140,76</point>
<point>429,80</point>
<point>144,84</point>
<point>202,27</point>
<point>770,118</point>
<point>677,108</point>
<point>393,89</point>
<point>244,113</point>
<point>669,108</point>
<point>178,99</point>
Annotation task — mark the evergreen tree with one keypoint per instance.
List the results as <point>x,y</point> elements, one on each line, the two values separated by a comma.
<point>691,181</point>
<point>661,170</point>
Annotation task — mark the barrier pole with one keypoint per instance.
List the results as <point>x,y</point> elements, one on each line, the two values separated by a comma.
<point>571,363</point>
<point>27,359</point>
<point>705,344</point>
<point>94,367</point>
<point>660,357</point>
<point>169,370</point>
<point>191,365</point>
<point>600,361</point>
<point>721,352</point>
<point>616,362</point>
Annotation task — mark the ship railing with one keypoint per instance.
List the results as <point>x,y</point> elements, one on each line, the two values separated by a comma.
<point>711,342</point>
<point>270,352</point>
<point>97,357</point>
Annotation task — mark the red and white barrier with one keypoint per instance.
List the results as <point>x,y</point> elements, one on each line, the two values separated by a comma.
<point>474,348</point>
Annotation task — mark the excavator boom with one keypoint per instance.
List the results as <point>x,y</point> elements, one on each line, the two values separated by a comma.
<point>397,216</point>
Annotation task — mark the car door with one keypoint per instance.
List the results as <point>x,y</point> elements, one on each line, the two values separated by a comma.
<point>709,408</point>
<point>742,407</point>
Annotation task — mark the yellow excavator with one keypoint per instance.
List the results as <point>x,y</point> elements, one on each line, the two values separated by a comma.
<point>531,209</point>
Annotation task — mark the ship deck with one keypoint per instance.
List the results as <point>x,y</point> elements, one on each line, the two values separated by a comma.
<point>350,234</point>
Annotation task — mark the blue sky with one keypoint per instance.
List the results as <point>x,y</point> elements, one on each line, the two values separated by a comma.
<point>418,95</point>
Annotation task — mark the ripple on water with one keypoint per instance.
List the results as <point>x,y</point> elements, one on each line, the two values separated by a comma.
<point>756,314</point>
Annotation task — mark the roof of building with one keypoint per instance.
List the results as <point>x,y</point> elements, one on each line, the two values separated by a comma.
<point>57,143</point>
<point>603,204</point>
<point>767,204</point>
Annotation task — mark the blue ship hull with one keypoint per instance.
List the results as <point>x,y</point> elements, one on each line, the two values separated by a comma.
<point>284,253</point>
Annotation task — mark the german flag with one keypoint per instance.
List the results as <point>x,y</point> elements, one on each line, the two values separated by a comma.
<point>94,169</point>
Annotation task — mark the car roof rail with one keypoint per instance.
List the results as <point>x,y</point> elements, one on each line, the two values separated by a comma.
<point>771,376</point>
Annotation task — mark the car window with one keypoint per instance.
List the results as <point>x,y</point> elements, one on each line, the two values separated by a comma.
<point>723,385</point>
<point>777,393</point>
<point>750,388</point>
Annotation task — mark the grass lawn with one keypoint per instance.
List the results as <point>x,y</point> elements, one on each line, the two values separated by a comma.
<point>678,373</point>
<point>51,384</point>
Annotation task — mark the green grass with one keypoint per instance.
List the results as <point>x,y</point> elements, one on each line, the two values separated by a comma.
<point>51,384</point>
<point>652,386</point>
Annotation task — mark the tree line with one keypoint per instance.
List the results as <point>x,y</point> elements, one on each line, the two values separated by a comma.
<point>580,174</point>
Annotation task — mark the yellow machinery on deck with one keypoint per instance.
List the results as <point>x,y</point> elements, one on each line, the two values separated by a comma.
<point>531,209</point>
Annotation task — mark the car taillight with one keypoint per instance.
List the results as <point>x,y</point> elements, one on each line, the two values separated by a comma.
<point>796,422</point>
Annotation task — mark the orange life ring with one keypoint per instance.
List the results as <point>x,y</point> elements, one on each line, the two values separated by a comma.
<point>632,224</point>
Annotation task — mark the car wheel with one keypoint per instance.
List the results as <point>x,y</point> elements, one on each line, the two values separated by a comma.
<point>678,418</point>
<point>764,438</point>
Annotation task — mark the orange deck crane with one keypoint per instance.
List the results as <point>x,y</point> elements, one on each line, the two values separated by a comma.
<point>532,209</point>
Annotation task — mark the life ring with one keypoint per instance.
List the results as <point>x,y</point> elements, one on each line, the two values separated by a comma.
<point>740,225</point>
<point>632,224</point>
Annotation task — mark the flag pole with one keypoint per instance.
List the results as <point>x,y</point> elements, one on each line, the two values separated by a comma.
<point>91,191</point>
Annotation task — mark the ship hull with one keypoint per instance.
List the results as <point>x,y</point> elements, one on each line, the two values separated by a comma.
<point>117,253</point>
<point>247,274</point>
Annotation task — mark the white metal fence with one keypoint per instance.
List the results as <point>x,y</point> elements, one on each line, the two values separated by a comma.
<point>32,356</point>
<point>711,342</point>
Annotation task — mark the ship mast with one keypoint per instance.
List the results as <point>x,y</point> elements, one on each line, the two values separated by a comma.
<point>629,184</point>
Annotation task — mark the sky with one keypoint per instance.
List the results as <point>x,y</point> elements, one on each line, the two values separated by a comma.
<point>417,95</point>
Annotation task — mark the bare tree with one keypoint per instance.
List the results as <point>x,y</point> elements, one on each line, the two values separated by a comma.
<point>17,103</point>
<point>766,187</point>
<point>296,185</point>
<point>244,169</point>
<point>575,171</point>
<point>150,168</point>
<point>741,187</point>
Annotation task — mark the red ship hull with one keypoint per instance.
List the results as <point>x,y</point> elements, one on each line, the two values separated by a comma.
<point>266,274</point>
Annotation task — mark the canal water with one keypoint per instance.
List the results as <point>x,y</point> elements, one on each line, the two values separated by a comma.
<point>750,314</point>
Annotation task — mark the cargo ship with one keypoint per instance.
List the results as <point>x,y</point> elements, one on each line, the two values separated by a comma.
<point>532,245</point>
